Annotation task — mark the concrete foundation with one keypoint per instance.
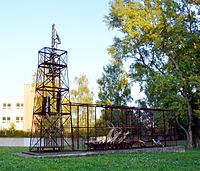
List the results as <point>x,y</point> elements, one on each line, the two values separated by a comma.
<point>86,153</point>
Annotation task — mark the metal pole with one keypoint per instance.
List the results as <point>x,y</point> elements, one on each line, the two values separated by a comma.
<point>72,134</point>
<point>111,115</point>
<point>95,119</point>
<point>152,129</point>
<point>164,127</point>
<point>175,134</point>
<point>88,124</point>
<point>41,131</point>
<point>122,126</point>
<point>139,130</point>
<point>77,127</point>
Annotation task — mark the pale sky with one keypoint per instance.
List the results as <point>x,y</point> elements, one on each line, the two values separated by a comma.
<point>26,28</point>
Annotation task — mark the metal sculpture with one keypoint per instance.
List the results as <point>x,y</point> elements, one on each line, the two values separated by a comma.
<point>59,124</point>
<point>51,122</point>
<point>108,127</point>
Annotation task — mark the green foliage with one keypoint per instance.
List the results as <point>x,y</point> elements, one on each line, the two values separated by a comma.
<point>12,132</point>
<point>163,40</point>
<point>16,133</point>
<point>114,86</point>
<point>188,160</point>
<point>12,127</point>
<point>82,94</point>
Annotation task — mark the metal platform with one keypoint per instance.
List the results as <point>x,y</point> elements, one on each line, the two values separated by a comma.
<point>88,153</point>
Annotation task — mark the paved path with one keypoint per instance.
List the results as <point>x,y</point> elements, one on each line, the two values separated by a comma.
<point>14,142</point>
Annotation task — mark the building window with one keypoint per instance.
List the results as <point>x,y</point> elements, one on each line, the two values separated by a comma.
<point>19,119</point>
<point>6,119</point>
<point>19,105</point>
<point>6,105</point>
<point>3,119</point>
<point>9,105</point>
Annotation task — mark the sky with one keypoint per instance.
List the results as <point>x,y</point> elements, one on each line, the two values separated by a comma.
<point>26,28</point>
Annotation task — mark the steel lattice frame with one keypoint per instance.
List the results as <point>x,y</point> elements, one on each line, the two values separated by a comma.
<point>51,122</point>
<point>135,127</point>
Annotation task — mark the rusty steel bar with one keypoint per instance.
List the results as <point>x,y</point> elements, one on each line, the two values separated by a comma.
<point>175,133</point>
<point>119,107</point>
<point>164,127</point>
<point>152,129</point>
<point>122,111</point>
<point>140,132</point>
<point>41,131</point>
<point>111,115</point>
<point>72,132</point>
<point>88,131</point>
<point>95,122</point>
<point>77,127</point>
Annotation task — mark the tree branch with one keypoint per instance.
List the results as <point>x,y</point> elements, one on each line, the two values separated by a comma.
<point>182,127</point>
<point>143,60</point>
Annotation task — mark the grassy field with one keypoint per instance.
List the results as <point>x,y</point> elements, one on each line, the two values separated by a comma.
<point>188,161</point>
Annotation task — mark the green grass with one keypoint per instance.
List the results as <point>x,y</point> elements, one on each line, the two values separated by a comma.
<point>188,161</point>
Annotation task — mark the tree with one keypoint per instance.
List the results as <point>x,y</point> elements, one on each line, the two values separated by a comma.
<point>114,86</point>
<point>82,94</point>
<point>163,40</point>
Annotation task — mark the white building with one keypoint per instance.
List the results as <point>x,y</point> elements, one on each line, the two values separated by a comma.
<point>18,110</point>
<point>11,111</point>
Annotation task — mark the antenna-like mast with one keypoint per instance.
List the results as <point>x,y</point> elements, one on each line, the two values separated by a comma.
<point>55,39</point>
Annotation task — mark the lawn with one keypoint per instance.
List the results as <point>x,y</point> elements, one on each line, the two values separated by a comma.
<point>188,161</point>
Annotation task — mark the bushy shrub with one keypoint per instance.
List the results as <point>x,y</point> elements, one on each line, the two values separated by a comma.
<point>12,132</point>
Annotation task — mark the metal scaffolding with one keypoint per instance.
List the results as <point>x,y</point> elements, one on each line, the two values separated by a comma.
<point>104,127</point>
<point>51,122</point>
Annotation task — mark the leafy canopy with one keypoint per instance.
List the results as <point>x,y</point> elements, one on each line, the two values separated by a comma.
<point>114,86</point>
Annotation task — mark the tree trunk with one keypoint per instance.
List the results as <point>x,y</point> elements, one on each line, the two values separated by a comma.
<point>195,131</point>
<point>195,141</point>
<point>190,135</point>
<point>189,105</point>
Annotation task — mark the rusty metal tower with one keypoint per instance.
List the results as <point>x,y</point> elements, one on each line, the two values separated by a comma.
<point>51,123</point>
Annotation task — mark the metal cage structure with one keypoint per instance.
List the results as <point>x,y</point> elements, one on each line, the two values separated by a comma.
<point>104,127</point>
<point>51,121</point>
<point>59,125</point>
